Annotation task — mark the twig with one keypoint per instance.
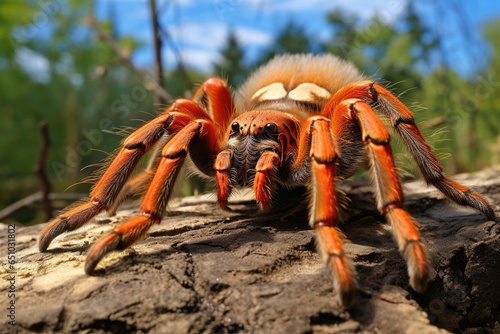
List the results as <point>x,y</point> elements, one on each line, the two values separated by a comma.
<point>157,42</point>
<point>125,57</point>
<point>436,121</point>
<point>40,169</point>
<point>35,198</point>
<point>178,57</point>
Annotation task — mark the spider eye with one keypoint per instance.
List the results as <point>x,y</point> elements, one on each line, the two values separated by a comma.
<point>235,127</point>
<point>271,128</point>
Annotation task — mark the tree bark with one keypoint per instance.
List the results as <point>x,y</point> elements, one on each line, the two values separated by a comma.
<point>206,271</point>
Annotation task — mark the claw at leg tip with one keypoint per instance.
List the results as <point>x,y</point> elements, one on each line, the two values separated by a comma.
<point>419,283</point>
<point>55,228</point>
<point>105,245</point>
<point>265,206</point>
<point>46,238</point>
<point>490,214</point>
<point>223,206</point>
<point>43,244</point>
<point>348,298</point>
<point>90,265</point>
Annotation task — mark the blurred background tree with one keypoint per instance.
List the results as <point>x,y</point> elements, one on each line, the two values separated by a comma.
<point>232,68</point>
<point>78,73</point>
<point>73,81</point>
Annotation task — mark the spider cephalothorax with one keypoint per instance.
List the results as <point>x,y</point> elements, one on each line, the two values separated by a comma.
<point>299,121</point>
<point>256,132</point>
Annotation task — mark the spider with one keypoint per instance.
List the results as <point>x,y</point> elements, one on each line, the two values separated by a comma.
<point>298,121</point>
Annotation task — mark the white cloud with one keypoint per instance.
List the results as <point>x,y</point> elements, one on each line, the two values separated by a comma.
<point>214,35</point>
<point>200,43</point>
<point>254,23</point>
<point>199,34</point>
<point>181,2</point>
<point>252,36</point>
<point>390,10</point>
<point>199,59</point>
<point>34,64</point>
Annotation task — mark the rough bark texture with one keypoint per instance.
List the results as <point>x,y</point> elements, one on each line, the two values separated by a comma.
<point>206,271</point>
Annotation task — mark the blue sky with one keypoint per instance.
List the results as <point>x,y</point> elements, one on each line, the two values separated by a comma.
<point>199,28</point>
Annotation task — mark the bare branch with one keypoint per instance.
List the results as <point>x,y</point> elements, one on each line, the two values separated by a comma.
<point>40,169</point>
<point>125,57</point>
<point>157,42</point>
<point>35,199</point>
<point>178,56</point>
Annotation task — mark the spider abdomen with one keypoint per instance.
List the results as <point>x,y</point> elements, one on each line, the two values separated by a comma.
<point>301,80</point>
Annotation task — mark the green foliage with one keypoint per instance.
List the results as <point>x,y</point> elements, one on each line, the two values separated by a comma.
<point>181,83</point>
<point>292,39</point>
<point>232,66</point>
<point>400,54</point>
<point>55,70</point>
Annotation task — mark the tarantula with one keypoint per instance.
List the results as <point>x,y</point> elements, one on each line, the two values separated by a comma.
<point>298,121</point>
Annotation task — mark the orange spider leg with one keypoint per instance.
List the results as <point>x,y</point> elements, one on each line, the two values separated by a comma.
<point>107,193</point>
<point>138,184</point>
<point>224,188</point>
<point>216,97</point>
<point>133,187</point>
<point>388,189</point>
<point>264,171</point>
<point>144,178</point>
<point>109,186</point>
<point>316,140</point>
<point>401,118</point>
<point>156,198</point>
